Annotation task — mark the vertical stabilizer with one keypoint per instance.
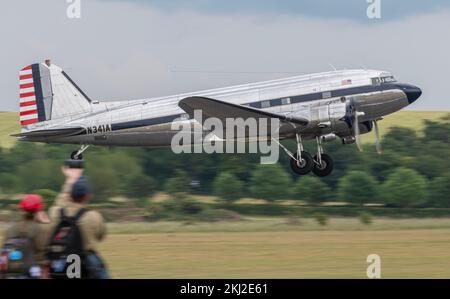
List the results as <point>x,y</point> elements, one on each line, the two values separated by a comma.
<point>47,93</point>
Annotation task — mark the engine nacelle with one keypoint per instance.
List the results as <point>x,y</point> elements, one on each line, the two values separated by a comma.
<point>365,127</point>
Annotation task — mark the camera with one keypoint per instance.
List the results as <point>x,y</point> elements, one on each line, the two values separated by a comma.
<point>74,163</point>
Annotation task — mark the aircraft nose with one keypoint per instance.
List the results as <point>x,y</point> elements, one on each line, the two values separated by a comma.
<point>412,92</point>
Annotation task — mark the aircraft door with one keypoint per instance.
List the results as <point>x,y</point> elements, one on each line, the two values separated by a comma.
<point>324,114</point>
<point>337,112</point>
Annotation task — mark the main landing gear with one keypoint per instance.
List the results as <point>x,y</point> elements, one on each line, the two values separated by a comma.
<point>323,164</point>
<point>78,155</point>
<point>303,163</point>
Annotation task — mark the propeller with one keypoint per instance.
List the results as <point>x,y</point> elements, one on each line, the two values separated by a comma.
<point>378,146</point>
<point>352,119</point>
<point>377,138</point>
<point>353,122</point>
<point>356,130</point>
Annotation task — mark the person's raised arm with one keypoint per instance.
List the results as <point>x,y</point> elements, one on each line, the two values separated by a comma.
<point>71,175</point>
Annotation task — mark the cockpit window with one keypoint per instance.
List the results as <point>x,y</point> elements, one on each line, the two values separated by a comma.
<point>381,80</point>
<point>387,79</point>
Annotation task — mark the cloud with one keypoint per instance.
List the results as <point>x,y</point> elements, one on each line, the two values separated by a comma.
<point>348,9</point>
<point>122,50</point>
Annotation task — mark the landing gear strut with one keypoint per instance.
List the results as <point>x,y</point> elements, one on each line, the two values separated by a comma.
<point>301,162</point>
<point>78,155</point>
<point>323,164</point>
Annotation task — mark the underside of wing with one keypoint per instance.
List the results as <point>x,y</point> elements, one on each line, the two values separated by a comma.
<point>223,110</point>
<point>51,133</point>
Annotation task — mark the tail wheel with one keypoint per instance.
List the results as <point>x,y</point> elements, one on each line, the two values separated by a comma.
<point>304,166</point>
<point>74,156</point>
<point>324,168</point>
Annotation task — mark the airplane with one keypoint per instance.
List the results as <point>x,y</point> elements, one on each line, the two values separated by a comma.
<point>323,106</point>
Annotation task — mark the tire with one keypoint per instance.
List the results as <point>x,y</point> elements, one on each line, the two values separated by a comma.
<point>74,156</point>
<point>324,170</point>
<point>307,164</point>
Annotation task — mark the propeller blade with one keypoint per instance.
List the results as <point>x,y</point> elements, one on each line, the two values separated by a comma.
<point>356,131</point>
<point>377,138</point>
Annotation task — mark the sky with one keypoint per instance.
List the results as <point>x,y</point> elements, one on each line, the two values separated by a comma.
<point>120,50</point>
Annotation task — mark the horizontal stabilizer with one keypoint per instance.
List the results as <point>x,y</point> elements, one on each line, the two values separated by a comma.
<point>223,110</point>
<point>51,133</point>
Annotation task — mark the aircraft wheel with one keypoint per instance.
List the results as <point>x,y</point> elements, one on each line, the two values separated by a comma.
<point>304,166</point>
<point>325,168</point>
<point>74,156</point>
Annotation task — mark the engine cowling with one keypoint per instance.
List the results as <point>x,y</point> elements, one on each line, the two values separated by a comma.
<point>365,127</point>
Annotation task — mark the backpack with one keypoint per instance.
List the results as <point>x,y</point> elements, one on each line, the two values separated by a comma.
<point>17,256</point>
<point>65,240</point>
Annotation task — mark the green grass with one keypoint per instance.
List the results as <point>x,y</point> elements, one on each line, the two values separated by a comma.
<point>9,124</point>
<point>278,224</point>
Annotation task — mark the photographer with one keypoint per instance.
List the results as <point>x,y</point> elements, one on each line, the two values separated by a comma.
<point>76,229</point>
<point>23,252</point>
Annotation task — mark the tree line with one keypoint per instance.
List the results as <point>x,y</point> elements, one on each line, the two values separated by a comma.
<point>413,171</point>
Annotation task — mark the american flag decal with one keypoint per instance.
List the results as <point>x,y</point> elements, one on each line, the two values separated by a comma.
<point>28,105</point>
<point>346,82</point>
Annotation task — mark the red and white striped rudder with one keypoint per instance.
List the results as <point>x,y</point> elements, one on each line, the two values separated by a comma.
<point>28,105</point>
<point>48,94</point>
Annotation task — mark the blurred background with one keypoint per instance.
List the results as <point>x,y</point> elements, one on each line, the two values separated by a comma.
<point>227,216</point>
<point>200,215</point>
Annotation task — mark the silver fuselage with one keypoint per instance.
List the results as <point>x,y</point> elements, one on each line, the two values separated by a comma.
<point>322,99</point>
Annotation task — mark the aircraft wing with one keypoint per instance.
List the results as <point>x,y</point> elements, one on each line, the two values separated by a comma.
<point>51,132</point>
<point>222,110</point>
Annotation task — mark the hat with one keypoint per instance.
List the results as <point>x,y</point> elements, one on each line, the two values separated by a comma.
<point>31,203</point>
<point>80,188</point>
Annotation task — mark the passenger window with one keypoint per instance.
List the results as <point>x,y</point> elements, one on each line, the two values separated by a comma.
<point>326,95</point>
<point>285,101</point>
<point>375,81</point>
<point>265,104</point>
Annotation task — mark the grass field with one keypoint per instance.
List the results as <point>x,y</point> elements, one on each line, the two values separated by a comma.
<point>412,119</point>
<point>9,124</point>
<point>292,254</point>
<point>273,248</point>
